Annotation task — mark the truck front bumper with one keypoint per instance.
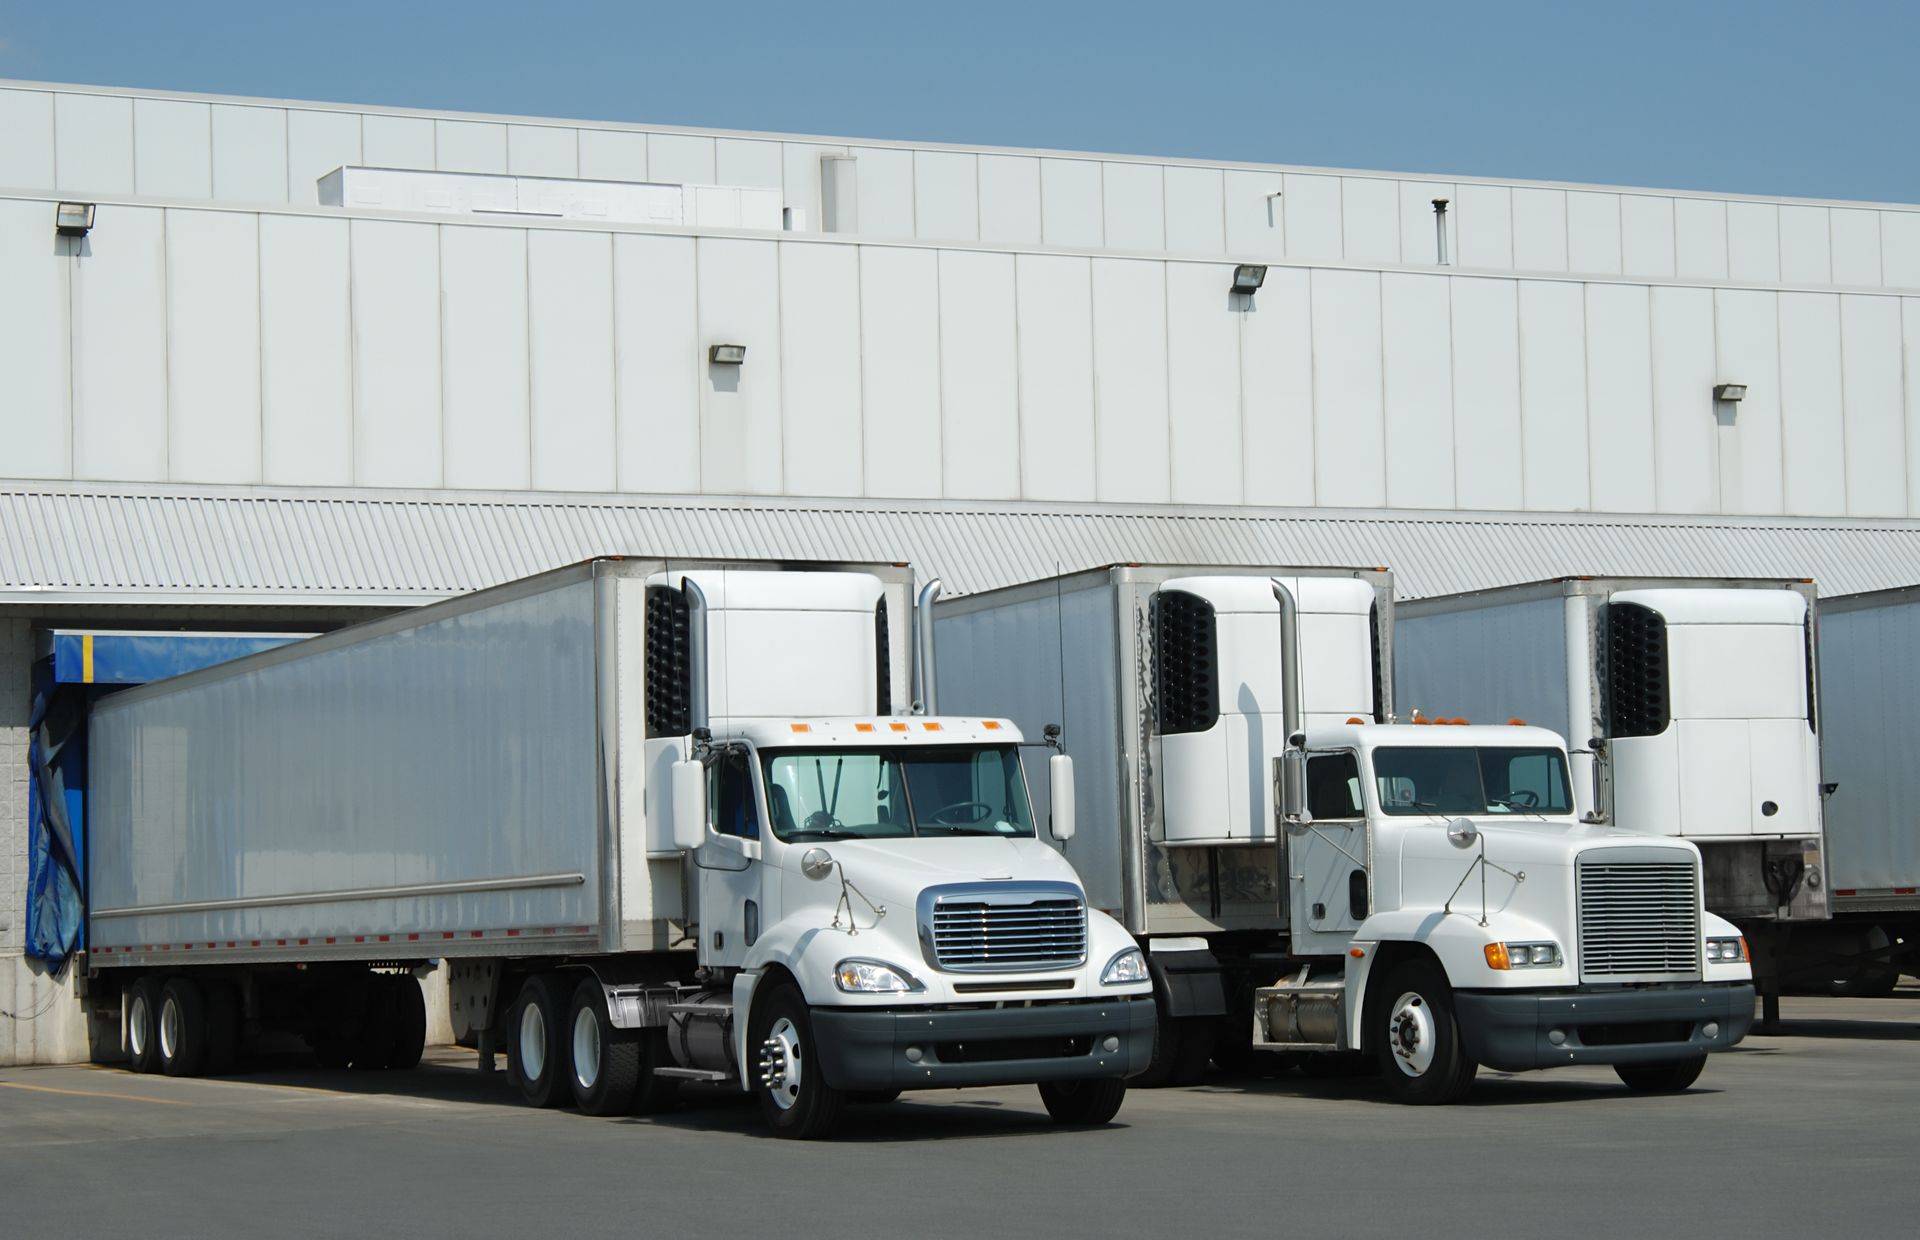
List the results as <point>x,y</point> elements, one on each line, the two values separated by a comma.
<point>864,1048</point>
<point>1514,1031</point>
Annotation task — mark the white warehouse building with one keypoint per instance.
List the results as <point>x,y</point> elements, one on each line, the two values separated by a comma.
<point>280,366</point>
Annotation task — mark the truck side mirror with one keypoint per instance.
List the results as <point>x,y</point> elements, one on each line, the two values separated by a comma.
<point>1290,772</point>
<point>1060,786</point>
<point>689,805</point>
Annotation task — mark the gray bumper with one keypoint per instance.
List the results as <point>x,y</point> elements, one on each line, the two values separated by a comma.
<point>1511,1032</point>
<point>864,1048</point>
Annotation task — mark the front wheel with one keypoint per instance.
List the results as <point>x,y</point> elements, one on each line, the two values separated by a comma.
<point>1660,1078</point>
<point>1084,1102</point>
<point>1416,1036</point>
<point>794,1097</point>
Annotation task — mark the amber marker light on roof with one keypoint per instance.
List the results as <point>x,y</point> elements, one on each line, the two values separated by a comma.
<point>931,727</point>
<point>991,725</point>
<point>801,727</point>
<point>863,727</point>
<point>898,727</point>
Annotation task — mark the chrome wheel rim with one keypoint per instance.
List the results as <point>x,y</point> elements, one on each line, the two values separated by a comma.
<point>169,1028</point>
<point>780,1064</point>
<point>586,1049</point>
<point>1410,1034</point>
<point>532,1043</point>
<point>139,1017</point>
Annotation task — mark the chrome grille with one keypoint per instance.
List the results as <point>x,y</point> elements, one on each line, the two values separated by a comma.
<point>1004,927</point>
<point>1639,920</point>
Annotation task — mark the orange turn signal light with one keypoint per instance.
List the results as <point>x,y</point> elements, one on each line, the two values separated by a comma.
<point>1497,956</point>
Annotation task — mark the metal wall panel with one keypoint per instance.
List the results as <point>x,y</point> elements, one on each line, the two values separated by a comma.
<point>93,144</point>
<point>1910,367</point>
<point>570,319</point>
<point>1256,223</point>
<point>819,337</point>
<point>1203,383</point>
<point>1348,435</point>
<point>1370,220</point>
<point>1196,211</point>
<point>487,432</point>
<point>306,352</point>
<point>397,142</point>
<point>1009,199</point>
<point>317,143</point>
<point>946,196</point>
<point>1311,205</point>
<point>1873,406</point>
<point>249,154</point>
<point>1130,341</point>
<point>1276,384</point>
<point>1746,328</point>
<point>1811,423</point>
<point>35,423</point>
<point>1486,226</point>
<point>1418,244</point>
<point>1133,200</point>
<point>173,148</point>
<point>1070,207</point>
<point>213,346</point>
<point>1539,229</point>
<point>1806,249</point>
<point>613,155</point>
<point>744,161</point>
<point>1685,437</point>
<point>1417,375</point>
<point>979,375</point>
<point>1619,398</point>
<point>1646,235</point>
<point>1753,242</point>
<point>738,300</point>
<point>1855,246</point>
<point>1488,463</point>
<point>659,365</point>
<point>883,177</point>
<point>1055,316</point>
<point>1900,249</point>
<point>470,146</point>
<point>26,139</point>
<point>1699,239</point>
<point>1593,232</point>
<point>396,353</point>
<point>119,349</point>
<point>542,151</point>
<point>1553,395</point>
<point>900,370</point>
<point>681,159</point>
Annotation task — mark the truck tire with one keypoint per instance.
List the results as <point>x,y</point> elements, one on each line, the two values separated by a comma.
<point>605,1062</point>
<point>1165,1061</point>
<point>538,1047</point>
<point>223,1027</point>
<point>143,1025</point>
<point>1083,1102</point>
<point>1416,1036</point>
<point>794,1097</point>
<point>183,1028</point>
<point>1660,1078</point>
<point>409,1022</point>
<point>1197,1037</point>
<point>372,1047</point>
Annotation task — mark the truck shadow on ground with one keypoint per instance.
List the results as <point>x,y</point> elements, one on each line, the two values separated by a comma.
<point>1490,1089</point>
<point>934,1116</point>
<point>1861,1030</point>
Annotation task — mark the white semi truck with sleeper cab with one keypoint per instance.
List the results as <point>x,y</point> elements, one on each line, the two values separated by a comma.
<point>1309,877</point>
<point>668,822</point>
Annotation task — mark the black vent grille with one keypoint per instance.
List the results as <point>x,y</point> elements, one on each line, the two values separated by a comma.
<point>669,669</point>
<point>883,647</point>
<point>1186,662</point>
<point>1636,679</point>
<point>1379,677</point>
<point>1813,708</point>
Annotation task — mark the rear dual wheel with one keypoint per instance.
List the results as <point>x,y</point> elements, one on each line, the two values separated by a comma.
<point>564,1049</point>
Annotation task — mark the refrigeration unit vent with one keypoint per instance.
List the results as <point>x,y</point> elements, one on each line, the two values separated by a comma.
<point>1379,672</point>
<point>1636,677</point>
<point>1813,698</point>
<point>883,647</point>
<point>1186,662</point>
<point>669,669</point>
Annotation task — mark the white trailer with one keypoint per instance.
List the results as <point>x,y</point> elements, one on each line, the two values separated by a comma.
<point>1292,861</point>
<point>1690,707</point>
<point>668,821</point>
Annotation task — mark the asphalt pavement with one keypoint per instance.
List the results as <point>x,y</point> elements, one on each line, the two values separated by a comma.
<point>1811,1129</point>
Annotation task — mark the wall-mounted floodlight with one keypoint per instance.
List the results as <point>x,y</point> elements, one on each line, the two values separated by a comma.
<point>727,354</point>
<point>73,219</point>
<point>1248,277</point>
<point>1730,391</point>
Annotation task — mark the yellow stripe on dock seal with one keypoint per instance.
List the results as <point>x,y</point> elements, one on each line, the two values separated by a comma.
<point>86,657</point>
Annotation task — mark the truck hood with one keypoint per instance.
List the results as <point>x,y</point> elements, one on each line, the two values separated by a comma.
<point>1431,867</point>
<point>895,871</point>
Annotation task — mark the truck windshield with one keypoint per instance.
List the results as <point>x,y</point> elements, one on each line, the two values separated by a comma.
<point>844,794</point>
<point>1470,780</point>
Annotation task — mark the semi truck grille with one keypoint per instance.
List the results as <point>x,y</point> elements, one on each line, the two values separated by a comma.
<point>1004,927</point>
<point>1639,920</point>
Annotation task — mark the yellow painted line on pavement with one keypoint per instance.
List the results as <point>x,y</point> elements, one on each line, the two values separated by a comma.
<point>94,1093</point>
<point>207,1080</point>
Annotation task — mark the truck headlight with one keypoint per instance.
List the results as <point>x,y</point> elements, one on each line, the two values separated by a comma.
<point>1726,951</point>
<point>1522,955</point>
<point>874,977</point>
<point>1126,966</point>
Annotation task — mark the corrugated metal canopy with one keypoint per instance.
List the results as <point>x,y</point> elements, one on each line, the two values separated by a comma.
<point>125,544</point>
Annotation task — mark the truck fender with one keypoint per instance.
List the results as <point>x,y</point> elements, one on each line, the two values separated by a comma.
<point>1455,940</point>
<point>1188,981</point>
<point>744,983</point>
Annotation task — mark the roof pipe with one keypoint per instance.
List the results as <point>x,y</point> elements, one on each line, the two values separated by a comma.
<point>697,718</point>
<point>925,700</point>
<point>1291,766</point>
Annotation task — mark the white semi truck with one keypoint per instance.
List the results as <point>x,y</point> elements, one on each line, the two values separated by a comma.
<point>1308,876</point>
<point>1690,709</point>
<point>667,821</point>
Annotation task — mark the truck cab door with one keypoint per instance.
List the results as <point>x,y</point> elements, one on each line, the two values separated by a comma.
<point>729,862</point>
<point>1329,887</point>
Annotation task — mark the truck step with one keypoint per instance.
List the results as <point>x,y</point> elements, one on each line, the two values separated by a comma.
<point>715,1010</point>
<point>694,1074</point>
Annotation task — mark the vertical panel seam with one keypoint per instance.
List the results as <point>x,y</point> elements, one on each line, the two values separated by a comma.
<point>613,346</point>
<point>1019,377</point>
<point>526,304</point>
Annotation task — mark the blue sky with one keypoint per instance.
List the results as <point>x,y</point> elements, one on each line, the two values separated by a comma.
<point>1820,100</point>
